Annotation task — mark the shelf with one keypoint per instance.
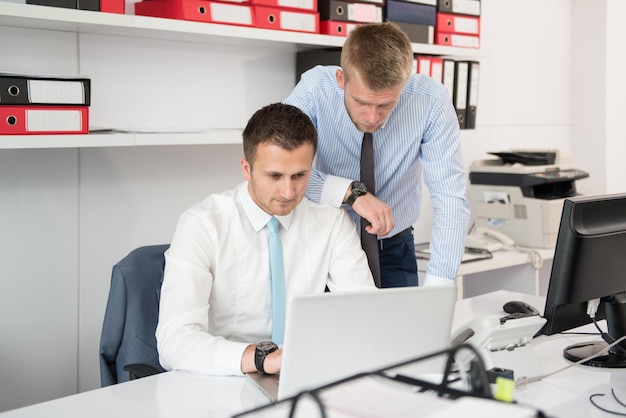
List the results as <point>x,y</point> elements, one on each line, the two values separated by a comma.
<point>131,139</point>
<point>82,21</point>
<point>125,25</point>
<point>212,137</point>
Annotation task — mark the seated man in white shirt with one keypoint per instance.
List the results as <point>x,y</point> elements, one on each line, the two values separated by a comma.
<point>216,300</point>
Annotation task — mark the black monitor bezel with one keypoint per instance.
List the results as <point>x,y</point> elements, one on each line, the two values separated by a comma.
<point>585,219</point>
<point>590,264</point>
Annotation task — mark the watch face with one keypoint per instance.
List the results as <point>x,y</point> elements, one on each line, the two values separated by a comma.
<point>262,350</point>
<point>359,188</point>
<point>266,346</point>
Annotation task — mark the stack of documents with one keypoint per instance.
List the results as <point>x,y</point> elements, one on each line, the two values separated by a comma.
<point>422,251</point>
<point>43,104</point>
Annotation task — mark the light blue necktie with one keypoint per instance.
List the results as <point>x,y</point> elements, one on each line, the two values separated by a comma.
<point>277,273</point>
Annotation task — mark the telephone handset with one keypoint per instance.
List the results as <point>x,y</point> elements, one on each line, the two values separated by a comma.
<point>494,332</point>
<point>488,239</point>
<point>502,341</point>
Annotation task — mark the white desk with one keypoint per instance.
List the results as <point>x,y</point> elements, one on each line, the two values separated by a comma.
<point>565,394</point>
<point>507,270</point>
<point>179,394</point>
<point>166,395</point>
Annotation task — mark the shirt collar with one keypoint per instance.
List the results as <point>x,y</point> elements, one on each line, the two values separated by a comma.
<point>258,217</point>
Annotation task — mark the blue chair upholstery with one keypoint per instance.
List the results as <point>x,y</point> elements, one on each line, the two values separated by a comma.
<point>131,316</point>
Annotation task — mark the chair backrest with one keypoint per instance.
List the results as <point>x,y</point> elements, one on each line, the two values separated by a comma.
<point>132,313</point>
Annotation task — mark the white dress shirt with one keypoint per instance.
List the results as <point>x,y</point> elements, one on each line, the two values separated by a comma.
<point>216,293</point>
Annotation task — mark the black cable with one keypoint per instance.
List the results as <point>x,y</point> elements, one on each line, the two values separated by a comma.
<point>596,325</point>
<point>601,408</point>
<point>311,394</point>
<point>616,398</point>
<point>606,337</point>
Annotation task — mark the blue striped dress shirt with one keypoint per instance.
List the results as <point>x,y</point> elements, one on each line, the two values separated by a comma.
<point>420,137</point>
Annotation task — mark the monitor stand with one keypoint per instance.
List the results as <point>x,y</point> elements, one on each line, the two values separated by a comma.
<point>580,351</point>
<point>616,327</point>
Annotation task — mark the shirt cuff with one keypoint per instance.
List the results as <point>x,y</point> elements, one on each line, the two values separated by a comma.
<point>334,190</point>
<point>230,354</point>
<point>431,280</point>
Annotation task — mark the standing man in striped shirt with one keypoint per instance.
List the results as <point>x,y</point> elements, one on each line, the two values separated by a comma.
<point>415,132</point>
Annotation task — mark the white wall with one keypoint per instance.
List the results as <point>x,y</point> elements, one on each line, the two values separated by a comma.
<point>38,244</point>
<point>68,215</point>
<point>525,89</point>
<point>616,94</point>
<point>39,275</point>
<point>598,91</point>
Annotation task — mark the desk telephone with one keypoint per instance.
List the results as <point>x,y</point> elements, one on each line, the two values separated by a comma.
<point>488,239</point>
<point>502,340</point>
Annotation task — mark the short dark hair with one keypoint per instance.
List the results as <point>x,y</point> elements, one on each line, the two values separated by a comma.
<point>279,124</point>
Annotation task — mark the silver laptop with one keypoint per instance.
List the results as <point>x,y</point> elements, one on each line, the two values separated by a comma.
<point>330,336</point>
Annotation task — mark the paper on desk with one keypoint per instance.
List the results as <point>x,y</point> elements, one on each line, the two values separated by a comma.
<point>423,251</point>
<point>371,397</point>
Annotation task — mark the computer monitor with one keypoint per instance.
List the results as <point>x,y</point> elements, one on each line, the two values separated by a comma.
<point>590,263</point>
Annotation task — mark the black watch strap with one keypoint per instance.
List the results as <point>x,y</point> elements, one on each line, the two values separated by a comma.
<point>262,350</point>
<point>357,189</point>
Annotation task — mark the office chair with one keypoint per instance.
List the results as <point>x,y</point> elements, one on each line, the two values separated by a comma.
<point>128,344</point>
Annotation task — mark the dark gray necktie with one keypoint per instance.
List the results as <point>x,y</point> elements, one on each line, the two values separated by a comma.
<point>369,242</point>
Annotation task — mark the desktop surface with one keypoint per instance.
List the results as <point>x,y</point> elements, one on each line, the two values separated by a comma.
<point>564,394</point>
<point>177,394</point>
<point>165,395</point>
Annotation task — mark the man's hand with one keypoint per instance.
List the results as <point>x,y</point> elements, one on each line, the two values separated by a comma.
<point>376,212</point>
<point>272,362</point>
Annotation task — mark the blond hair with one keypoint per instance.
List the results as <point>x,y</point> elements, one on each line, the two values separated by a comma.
<point>381,54</point>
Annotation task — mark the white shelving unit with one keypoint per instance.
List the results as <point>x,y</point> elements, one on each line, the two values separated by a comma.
<point>80,21</point>
<point>217,136</point>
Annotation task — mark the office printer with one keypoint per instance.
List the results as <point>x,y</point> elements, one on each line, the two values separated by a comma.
<point>521,193</point>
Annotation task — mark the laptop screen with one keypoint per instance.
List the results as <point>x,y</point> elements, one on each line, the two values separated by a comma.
<point>330,336</point>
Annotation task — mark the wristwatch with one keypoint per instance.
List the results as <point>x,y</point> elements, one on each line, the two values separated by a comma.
<point>262,350</point>
<point>358,189</point>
